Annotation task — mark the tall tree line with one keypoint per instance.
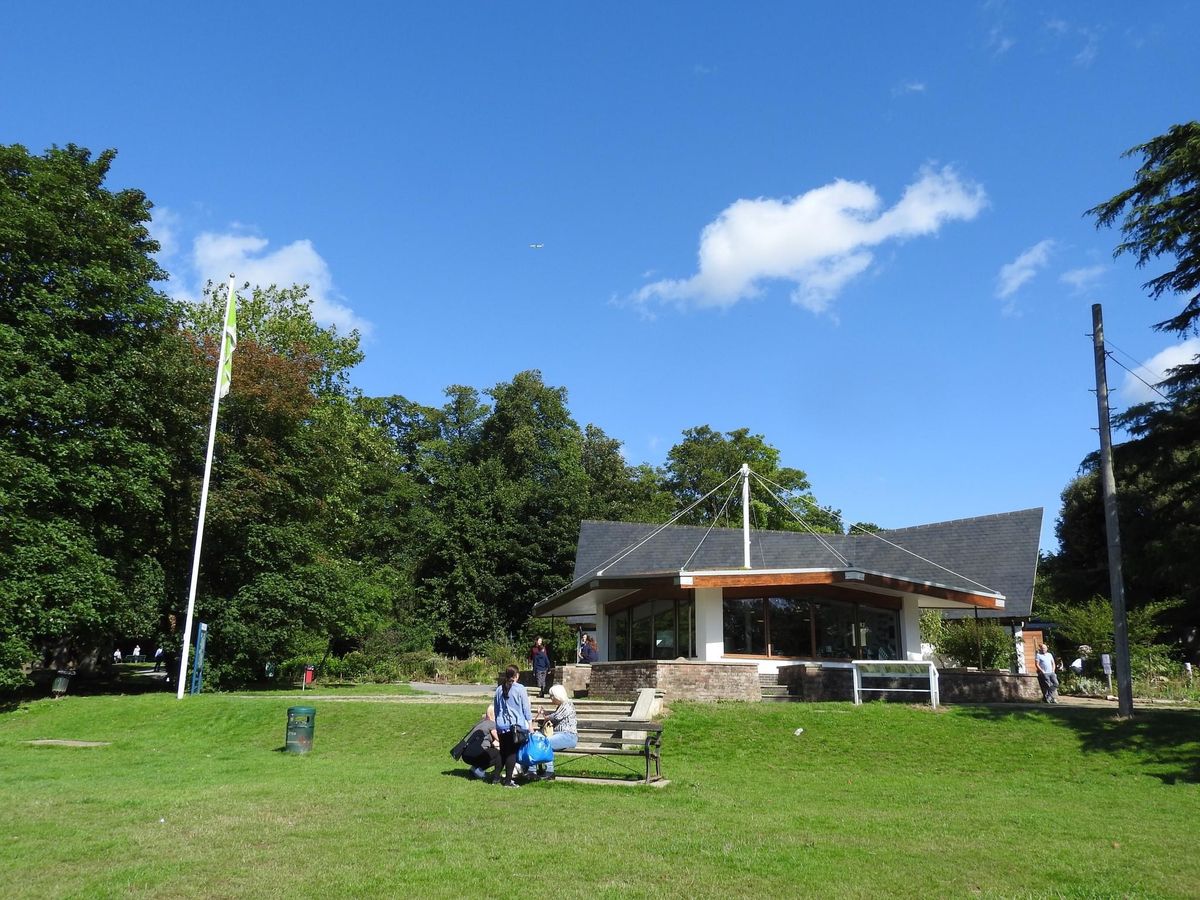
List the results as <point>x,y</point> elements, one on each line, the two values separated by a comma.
<point>331,515</point>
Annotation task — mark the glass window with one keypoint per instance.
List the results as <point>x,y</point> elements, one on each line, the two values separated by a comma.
<point>687,629</point>
<point>791,631</point>
<point>618,635</point>
<point>835,629</point>
<point>745,626</point>
<point>664,629</point>
<point>642,632</point>
<point>879,633</point>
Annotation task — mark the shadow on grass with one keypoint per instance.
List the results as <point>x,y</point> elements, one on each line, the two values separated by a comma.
<point>1166,740</point>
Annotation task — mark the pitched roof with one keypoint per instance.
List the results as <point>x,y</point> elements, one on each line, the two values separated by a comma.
<point>996,553</point>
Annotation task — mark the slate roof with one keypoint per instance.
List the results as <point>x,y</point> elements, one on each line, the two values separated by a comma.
<point>996,553</point>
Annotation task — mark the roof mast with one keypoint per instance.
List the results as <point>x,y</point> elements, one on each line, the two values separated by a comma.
<point>746,514</point>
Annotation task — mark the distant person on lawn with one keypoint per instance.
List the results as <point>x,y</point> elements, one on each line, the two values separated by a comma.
<point>1047,678</point>
<point>512,708</point>
<point>541,665</point>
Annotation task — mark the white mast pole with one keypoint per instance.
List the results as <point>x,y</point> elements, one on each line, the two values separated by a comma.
<point>212,434</point>
<point>746,514</point>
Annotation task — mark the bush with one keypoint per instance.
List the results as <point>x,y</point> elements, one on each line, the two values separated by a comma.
<point>977,642</point>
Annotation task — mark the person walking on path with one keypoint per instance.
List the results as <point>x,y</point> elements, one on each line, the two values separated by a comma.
<point>541,666</point>
<point>512,709</point>
<point>1047,677</point>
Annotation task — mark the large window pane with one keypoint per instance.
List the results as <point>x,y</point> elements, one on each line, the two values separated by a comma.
<point>835,629</point>
<point>642,632</point>
<point>879,633</point>
<point>618,635</point>
<point>687,629</point>
<point>744,626</point>
<point>791,634</point>
<point>664,629</point>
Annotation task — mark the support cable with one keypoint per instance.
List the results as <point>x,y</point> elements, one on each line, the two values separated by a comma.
<point>875,535</point>
<point>807,527</point>
<point>716,519</point>
<point>621,554</point>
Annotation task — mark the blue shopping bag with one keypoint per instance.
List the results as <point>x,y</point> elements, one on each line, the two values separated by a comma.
<point>535,751</point>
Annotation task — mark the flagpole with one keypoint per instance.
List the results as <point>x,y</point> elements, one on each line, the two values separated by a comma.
<point>212,434</point>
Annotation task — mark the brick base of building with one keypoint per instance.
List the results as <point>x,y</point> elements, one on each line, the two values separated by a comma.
<point>677,679</point>
<point>817,683</point>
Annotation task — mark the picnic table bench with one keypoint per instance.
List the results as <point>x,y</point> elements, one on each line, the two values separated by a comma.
<point>613,739</point>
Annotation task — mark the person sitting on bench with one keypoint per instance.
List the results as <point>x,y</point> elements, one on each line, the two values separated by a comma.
<point>565,724</point>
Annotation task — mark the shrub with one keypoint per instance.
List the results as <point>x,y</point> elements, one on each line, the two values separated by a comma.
<point>977,642</point>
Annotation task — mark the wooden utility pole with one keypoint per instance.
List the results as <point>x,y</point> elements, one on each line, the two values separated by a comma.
<point>1108,483</point>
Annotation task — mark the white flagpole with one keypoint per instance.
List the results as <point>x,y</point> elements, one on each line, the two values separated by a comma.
<point>212,434</point>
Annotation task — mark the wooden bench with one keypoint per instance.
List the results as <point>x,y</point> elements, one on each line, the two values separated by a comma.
<point>611,739</point>
<point>893,670</point>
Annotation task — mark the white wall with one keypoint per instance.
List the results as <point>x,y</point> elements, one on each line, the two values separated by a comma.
<point>601,633</point>
<point>710,638</point>
<point>910,630</point>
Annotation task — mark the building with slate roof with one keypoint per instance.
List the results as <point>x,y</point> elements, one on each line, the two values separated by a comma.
<point>778,598</point>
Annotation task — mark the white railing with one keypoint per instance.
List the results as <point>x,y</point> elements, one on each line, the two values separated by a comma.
<point>893,669</point>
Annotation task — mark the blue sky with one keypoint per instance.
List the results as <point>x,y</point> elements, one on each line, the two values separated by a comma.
<point>856,230</point>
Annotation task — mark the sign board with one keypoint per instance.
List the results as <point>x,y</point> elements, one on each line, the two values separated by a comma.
<point>1106,663</point>
<point>198,659</point>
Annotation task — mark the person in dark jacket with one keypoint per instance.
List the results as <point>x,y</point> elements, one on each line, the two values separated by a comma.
<point>541,665</point>
<point>480,748</point>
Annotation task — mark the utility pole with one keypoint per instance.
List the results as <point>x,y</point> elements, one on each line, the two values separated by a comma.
<point>1109,485</point>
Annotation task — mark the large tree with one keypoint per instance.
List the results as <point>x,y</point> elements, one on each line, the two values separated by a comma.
<point>86,343</point>
<point>1158,470</point>
<point>1162,218</point>
<point>705,458</point>
<point>288,551</point>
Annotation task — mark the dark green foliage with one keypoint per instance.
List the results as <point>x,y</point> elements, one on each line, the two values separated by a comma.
<point>1162,218</point>
<point>705,458</point>
<point>85,432</point>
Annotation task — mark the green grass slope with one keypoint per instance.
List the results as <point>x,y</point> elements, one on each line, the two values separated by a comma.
<point>194,798</point>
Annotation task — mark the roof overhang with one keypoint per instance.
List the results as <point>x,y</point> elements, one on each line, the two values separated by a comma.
<point>591,595</point>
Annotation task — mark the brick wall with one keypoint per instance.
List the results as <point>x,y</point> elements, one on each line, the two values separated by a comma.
<point>813,683</point>
<point>678,679</point>
<point>960,686</point>
<point>575,678</point>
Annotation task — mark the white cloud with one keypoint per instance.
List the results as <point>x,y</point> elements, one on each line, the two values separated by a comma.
<point>908,87</point>
<point>1021,270</point>
<point>216,255</point>
<point>818,241</point>
<point>164,228</point>
<point>1133,390</point>
<point>1080,280</point>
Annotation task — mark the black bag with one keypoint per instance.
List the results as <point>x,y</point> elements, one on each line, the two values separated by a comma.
<point>520,735</point>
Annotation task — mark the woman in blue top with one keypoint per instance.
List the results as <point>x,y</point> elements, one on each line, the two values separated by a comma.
<point>512,708</point>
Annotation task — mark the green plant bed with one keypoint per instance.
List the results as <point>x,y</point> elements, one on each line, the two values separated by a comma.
<point>194,798</point>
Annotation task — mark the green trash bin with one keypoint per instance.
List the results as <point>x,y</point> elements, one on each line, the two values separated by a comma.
<point>301,721</point>
<point>62,680</point>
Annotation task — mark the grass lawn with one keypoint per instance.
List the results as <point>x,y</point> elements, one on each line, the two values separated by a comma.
<point>193,798</point>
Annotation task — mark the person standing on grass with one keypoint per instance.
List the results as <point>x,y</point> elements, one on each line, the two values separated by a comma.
<point>565,726</point>
<point>512,708</point>
<point>541,665</point>
<point>1047,678</point>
